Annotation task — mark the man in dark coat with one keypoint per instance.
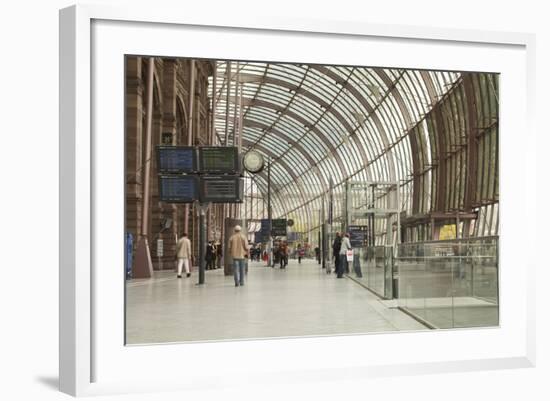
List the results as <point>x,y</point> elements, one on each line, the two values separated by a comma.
<point>336,244</point>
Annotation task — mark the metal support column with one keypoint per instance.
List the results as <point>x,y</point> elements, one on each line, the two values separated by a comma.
<point>190,133</point>
<point>213,106</point>
<point>202,241</point>
<point>240,143</point>
<point>228,81</point>
<point>324,227</point>
<point>270,242</point>
<point>233,141</point>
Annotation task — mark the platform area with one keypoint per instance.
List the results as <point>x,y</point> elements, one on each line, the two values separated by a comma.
<point>301,300</point>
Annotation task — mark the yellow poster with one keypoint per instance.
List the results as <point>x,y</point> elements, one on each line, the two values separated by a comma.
<point>448,231</point>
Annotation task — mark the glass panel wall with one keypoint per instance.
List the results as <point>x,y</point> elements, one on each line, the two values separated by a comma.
<point>372,266</point>
<point>450,284</point>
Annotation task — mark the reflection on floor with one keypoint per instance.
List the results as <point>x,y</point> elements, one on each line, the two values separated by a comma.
<point>301,300</point>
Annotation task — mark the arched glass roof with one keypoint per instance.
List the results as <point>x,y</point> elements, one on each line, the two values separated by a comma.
<point>329,123</point>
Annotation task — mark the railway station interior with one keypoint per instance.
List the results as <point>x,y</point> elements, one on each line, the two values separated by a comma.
<point>400,164</point>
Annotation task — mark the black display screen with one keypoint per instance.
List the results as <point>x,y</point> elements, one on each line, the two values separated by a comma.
<point>358,235</point>
<point>222,189</point>
<point>176,159</point>
<point>218,159</point>
<point>179,189</point>
<point>264,230</point>
<point>278,227</point>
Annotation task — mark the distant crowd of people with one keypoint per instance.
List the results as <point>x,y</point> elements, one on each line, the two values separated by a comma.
<point>240,250</point>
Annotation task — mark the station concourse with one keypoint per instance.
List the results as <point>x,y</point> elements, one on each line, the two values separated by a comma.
<point>367,199</point>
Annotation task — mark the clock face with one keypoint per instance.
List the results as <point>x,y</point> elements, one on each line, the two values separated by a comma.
<point>253,161</point>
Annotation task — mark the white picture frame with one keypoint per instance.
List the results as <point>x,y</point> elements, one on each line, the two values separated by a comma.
<point>93,358</point>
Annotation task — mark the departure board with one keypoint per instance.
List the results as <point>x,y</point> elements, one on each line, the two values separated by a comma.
<point>218,159</point>
<point>179,189</point>
<point>278,227</point>
<point>176,159</point>
<point>264,230</point>
<point>258,237</point>
<point>358,235</point>
<point>221,189</point>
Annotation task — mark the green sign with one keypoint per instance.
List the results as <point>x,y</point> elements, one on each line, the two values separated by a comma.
<point>218,159</point>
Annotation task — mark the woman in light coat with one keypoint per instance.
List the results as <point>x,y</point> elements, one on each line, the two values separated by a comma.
<point>184,254</point>
<point>346,246</point>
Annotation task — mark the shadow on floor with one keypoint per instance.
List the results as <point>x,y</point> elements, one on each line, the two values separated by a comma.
<point>51,382</point>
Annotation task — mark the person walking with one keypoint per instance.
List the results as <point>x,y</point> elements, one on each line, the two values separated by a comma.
<point>336,244</point>
<point>258,253</point>
<point>238,249</point>
<point>218,255</point>
<point>184,254</point>
<point>283,255</point>
<point>210,256</point>
<point>276,254</point>
<point>318,254</point>
<point>344,248</point>
<point>301,252</point>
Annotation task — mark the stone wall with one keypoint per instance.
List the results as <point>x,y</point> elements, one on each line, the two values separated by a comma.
<point>170,126</point>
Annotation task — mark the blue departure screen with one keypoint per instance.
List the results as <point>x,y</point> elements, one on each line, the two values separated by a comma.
<point>177,159</point>
<point>178,189</point>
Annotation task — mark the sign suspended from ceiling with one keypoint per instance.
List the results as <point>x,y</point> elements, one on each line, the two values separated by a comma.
<point>278,227</point>
<point>205,174</point>
<point>221,189</point>
<point>219,160</point>
<point>178,188</point>
<point>177,159</point>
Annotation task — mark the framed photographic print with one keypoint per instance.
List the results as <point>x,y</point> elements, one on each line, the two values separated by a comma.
<point>290,199</point>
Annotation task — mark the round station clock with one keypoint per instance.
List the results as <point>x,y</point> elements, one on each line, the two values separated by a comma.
<point>253,161</point>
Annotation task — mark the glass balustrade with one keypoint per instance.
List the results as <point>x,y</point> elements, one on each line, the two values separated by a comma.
<point>372,266</point>
<point>448,284</point>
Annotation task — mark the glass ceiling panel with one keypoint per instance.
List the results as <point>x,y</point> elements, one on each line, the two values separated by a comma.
<point>301,114</point>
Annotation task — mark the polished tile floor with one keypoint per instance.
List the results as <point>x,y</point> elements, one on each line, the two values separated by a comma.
<point>301,300</point>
